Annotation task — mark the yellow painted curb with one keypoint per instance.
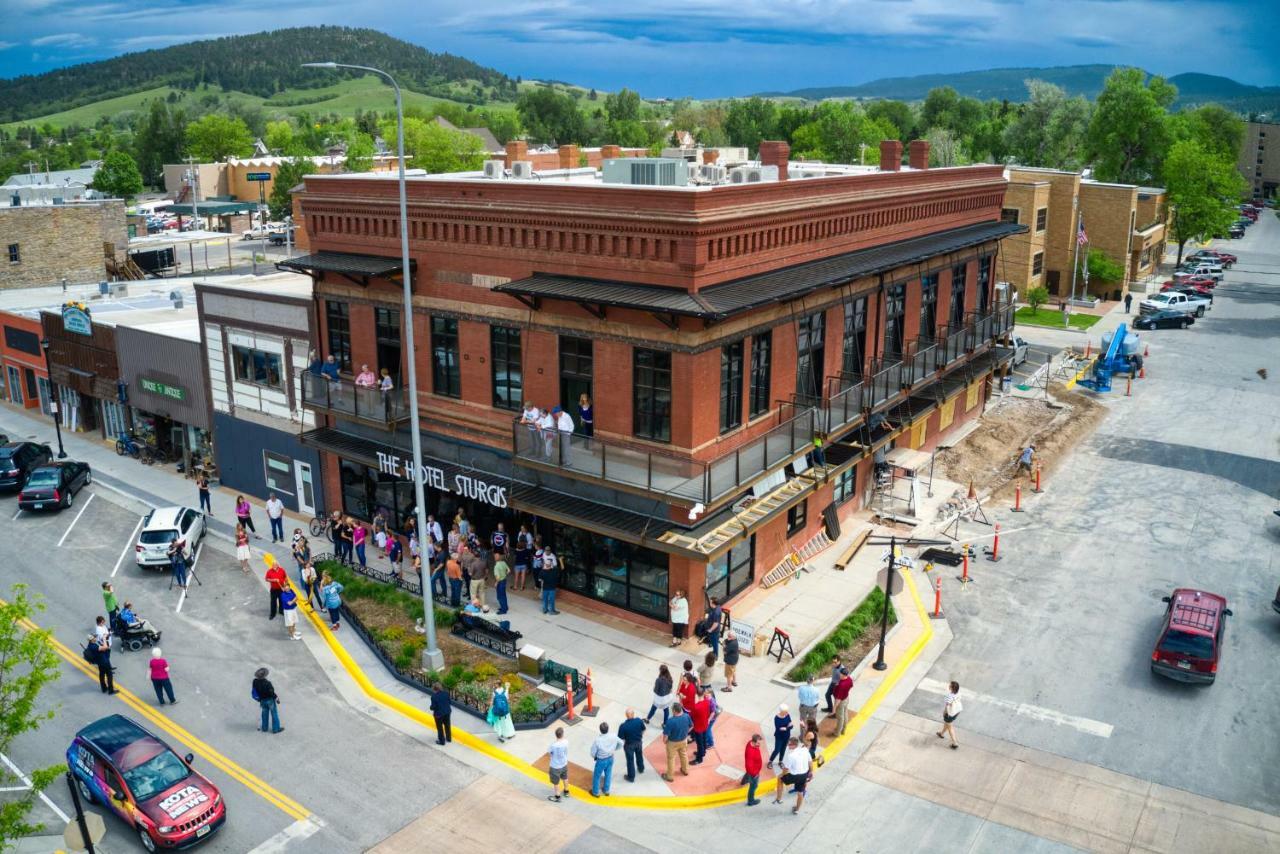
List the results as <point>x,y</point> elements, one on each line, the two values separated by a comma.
<point>246,778</point>
<point>736,795</point>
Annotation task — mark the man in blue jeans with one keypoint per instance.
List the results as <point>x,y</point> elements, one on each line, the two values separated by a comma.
<point>550,578</point>
<point>602,750</point>
<point>265,693</point>
<point>632,734</point>
<point>715,616</point>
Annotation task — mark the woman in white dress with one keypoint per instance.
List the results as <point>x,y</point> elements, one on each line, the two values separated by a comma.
<point>679,617</point>
<point>500,714</point>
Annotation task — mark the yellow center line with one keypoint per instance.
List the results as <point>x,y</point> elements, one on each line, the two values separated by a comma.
<point>246,778</point>
<point>734,796</point>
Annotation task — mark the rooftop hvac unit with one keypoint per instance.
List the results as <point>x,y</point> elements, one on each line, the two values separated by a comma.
<point>646,171</point>
<point>522,169</point>
<point>713,173</point>
<point>753,174</point>
<point>495,169</point>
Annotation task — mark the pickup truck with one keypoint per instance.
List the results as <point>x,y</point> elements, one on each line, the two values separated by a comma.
<point>1174,301</point>
<point>262,232</point>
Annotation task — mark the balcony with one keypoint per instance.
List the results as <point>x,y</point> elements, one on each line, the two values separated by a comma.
<point>884,382</point>
<point>980,328</point>
<point>921,363</point>
<point>677,479</point>
<point>844,403</point>
<point>346,399</point>
<point>1003,321</point>
<point>951,347</point>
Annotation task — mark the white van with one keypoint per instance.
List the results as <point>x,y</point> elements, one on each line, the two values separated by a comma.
<point>161,527</point>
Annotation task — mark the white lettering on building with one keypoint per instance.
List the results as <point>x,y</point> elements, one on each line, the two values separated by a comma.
<point>492,494</point>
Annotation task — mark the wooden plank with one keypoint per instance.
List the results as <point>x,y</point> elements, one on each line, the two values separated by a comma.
<point>846,557</point>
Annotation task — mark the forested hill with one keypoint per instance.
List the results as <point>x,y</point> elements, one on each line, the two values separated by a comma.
<point>260,64</point>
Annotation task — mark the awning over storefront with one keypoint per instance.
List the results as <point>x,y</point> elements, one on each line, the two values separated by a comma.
<point>721,301</point>
<point>598,518</point>
<point>357,268</point>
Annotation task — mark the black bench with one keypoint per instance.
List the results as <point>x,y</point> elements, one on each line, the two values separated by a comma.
<point>487,634</point>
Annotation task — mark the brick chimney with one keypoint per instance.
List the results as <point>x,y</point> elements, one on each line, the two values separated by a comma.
<point>890,155</point>
<point>517,149</point>
<point>918,154</point>
<point>775,153</point>
<point>710,155</point>
<point>568,156</point>
<point>610,152</point>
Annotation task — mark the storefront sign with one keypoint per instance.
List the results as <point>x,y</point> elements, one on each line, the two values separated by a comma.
<point>170,391</point>
<point>75,318</point>
<point>463,484</point>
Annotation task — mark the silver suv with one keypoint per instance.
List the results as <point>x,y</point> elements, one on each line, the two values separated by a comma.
<point>161,527</point>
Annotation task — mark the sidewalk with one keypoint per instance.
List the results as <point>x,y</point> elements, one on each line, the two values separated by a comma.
<point>623,658</point>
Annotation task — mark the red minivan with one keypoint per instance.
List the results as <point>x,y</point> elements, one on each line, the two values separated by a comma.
<point>1191,635</point>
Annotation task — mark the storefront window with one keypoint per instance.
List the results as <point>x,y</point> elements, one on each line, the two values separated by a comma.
<point>46,395</point>
<point>613,571</point>
<point>113,419</point>
<point>732,572</point>
<point>846,485</point>
<point>365,491</point>
<point>257,367</point>
<point>279,472</point>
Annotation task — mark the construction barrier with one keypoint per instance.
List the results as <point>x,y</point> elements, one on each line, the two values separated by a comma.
<point>964,574</point>
<point>1036,489</point>
<point>1017,498</point>
<point>937,599</point>
<point>569,716</point>
<point>994,554</point>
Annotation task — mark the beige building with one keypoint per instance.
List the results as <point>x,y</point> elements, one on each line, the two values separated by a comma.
<point>1124,221</point>
<point>229,180</point>
<point>1259,162</point>
<point>45,244</point>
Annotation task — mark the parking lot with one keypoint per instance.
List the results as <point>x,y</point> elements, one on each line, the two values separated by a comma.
<point>214,637</point>
<point>1176,488</point>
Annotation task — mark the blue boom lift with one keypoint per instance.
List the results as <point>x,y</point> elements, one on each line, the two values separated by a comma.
<point>1120,356</point>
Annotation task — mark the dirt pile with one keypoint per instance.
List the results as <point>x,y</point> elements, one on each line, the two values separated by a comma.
<point>988,456</point>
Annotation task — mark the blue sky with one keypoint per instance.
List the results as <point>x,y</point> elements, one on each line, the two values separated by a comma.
<point>702,48</point>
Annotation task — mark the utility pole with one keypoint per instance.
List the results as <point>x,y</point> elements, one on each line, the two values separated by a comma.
<point>193,178</point>
<point>1075,266</point>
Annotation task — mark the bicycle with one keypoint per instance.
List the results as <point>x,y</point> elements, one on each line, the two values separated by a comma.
<point>320,525</point>
<point>129,445</point>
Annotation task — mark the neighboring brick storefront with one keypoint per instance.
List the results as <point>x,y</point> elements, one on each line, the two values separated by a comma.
<point>44,244</point>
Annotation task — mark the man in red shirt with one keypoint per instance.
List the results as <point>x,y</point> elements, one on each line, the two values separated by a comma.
<point>700,714</point>
<point>841,695</point>
<point>278,581</point>
<point>754,762</point>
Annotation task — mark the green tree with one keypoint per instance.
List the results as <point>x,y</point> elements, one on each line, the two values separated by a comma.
<point>549,116</point>
<point>27,664</point>
<point>1049,129</point>
<point>1218,130</point>
<point>1102,269</point>
<point>1128,134</point>
<point>944,148</point>
<point>280,138</point>
<point>944,107</point>
<point>216,137</point>
<point>118,176</point>
<point>622,106</point>
<point>289,175</point>
<point>157,140</point>
<point>1203,188</point>
<point>505,126</point>
<point>898,114</point>
<point>438,149</point>
<point>1037,296</point>
<point>750,121</point>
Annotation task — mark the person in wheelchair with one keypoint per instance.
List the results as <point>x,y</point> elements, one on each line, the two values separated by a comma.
<point>131,627</point>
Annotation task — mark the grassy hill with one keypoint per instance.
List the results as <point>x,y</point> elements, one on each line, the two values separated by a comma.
<point>264,66</point>
<point>1009,84</point>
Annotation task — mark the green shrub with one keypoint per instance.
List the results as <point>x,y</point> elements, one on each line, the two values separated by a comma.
<point>486,671</point>
<point>475,694</point>
<point>450,681</point>
<point>527,708</point>
<point>457,670</point>
<point>392,634</point>
<point>514,683</point>
<point>404,659</point>
<point>844,636</point>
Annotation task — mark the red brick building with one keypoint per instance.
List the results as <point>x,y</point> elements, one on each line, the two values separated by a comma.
<point>718,327</point>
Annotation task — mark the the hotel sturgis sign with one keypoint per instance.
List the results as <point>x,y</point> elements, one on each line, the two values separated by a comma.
<point>75,318</point>
<point>463,484</point>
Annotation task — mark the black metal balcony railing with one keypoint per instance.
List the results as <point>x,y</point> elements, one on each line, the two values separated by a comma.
<point>980,328</point>
<point>951,347</point>
<point>844,403</point>
<point>1003,320</point>
<point>662,473</point>
<point>884,382</point>
<point>922,361</point>
<point>346,398</point>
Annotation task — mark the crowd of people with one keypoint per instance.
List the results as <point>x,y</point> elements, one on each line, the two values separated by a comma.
<point>554,428</point>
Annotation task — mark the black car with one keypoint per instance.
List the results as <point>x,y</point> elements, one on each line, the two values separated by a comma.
<point>1236,232</point>
<point>54,486</point>
<point>1163,320</point>
<point>18,460</point>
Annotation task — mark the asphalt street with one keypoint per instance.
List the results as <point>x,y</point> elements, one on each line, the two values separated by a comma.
<point>1176,488</point>
<point>360,779</point>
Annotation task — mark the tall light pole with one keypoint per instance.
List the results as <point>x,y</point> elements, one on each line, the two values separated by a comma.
<point>432,658</point>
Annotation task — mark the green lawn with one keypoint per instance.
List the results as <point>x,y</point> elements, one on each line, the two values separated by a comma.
<point>1052,317</point>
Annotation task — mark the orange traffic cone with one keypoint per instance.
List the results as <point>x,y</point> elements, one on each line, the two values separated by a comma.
<point>972,494</point>
<point>590,709</point>
<point>569,716</point>
<point>1146,351</point>
<point>1142,372</point>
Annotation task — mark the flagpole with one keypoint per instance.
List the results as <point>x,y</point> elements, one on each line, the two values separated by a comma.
<point>1075,266</point>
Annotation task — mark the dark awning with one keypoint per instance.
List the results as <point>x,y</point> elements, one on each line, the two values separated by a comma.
<point>600,518</point>
<point>210,208</point>
<point>358,268</point>
<point>724,300</point>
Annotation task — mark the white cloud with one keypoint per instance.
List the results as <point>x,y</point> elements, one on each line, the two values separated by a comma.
<point>7,45</point>
<point>65,40</point>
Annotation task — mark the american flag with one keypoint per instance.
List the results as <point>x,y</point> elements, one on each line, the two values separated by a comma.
<point>1081,237</point>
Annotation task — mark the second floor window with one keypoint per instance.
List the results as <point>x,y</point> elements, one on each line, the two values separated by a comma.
<point>730,386</point>
<point>760,349</point>
<point>386,331</point>
<point>928,305</point>
<point>984,283</point>
<point>257,367</point>
<point>1037,264</point>
<point>958,275</point>
<point>1009,215</point>
<point>651,395</point>
<point>810,353</point>
<point>504,355</point>
<point>1042,219</point>
<point>855,337</point>
<point>445,377</point>
<point>337,317</point>
<point>895,322</point>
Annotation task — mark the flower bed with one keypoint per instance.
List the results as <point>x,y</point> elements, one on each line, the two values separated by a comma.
<point>385,616</point>
<point>851,640</point>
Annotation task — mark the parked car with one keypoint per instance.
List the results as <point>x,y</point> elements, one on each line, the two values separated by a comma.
<point>1019,351</point>
<point>1213,271</point>
<point>123,767</point>
<point>53,486</point>
<point>1163,320</point>
<point>19,459</point>
<point>161,527</point>
<point>1191,290</point>
<point>1225,259</point>
<point>1173,301</point>
<point>280,237</point>
<point>1275,604</point>
<point>1190,642</point>
<point>1189,282</point>
<point>1235,232</point>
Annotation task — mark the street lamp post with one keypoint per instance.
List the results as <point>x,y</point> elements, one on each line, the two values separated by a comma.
<point>432,658</point>
<point>53,398</point>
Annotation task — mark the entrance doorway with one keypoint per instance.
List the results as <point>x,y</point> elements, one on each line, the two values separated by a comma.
<point>306,491</point>
<point>577,373</point>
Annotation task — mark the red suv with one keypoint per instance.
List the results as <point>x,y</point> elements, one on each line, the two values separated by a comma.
<point>1191,636</point>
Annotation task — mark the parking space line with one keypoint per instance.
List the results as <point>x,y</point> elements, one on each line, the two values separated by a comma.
<point>27,784</point>
<point>299,830</point>
<point>16,515</point>
<point>1039,713</point>
<point>246,778</point>
<point>83,507</point>
<point>191,575</point>
<point>130,543</point>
